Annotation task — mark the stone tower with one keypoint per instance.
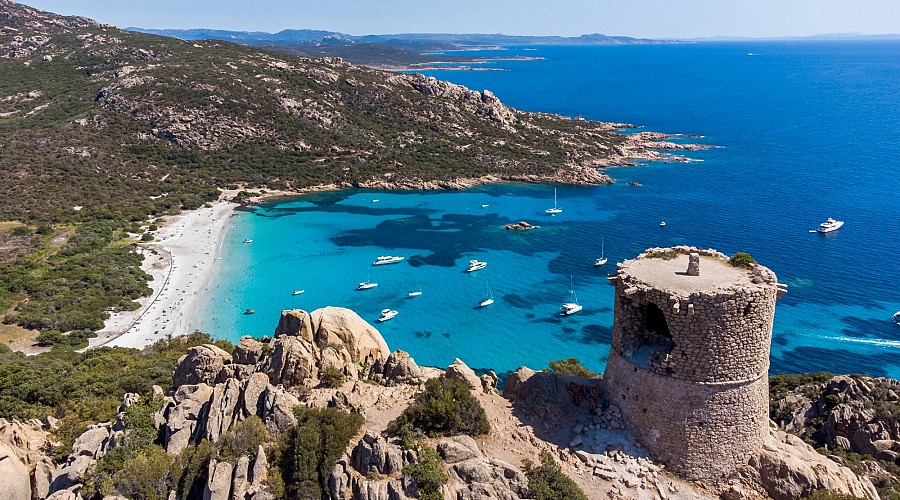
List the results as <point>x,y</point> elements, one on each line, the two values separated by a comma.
<point>690,357</point>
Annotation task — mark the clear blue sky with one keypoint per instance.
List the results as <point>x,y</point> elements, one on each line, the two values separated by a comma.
<point>639,18</point>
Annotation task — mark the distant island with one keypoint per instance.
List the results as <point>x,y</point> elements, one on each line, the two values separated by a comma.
<point>396,51</point>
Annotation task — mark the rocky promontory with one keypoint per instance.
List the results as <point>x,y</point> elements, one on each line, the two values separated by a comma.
<point>331,358</point>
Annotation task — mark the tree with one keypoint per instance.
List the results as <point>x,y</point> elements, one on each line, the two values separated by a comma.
<point>547,481</point>
<point>445,407</point>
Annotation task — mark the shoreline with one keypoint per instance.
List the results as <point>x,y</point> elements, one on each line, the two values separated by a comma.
<point>181,261</point>
<point>182,258</point>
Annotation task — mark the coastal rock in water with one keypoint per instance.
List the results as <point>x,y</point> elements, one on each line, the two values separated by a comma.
<point>788,468</point>
<point>201,364</point>
<point>248,351</point>
<point>295,323</point>
<point>340,326</point>
<point>460,371</point>
<point>520,226</point>
<point>398,368</point>
<point>15,481</point>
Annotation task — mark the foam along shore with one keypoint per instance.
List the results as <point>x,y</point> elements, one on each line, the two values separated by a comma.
<point>182,259</point>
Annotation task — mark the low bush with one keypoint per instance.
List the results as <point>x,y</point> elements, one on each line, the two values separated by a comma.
<point>741,259</point>
<point>445,407</point>
<point>310,449</point>
<point>331,377</point>
<point>547,481</point>
<point>572,367</point>
<point>428,472</point>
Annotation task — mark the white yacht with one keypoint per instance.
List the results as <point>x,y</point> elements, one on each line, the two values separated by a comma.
<point>475,265</point>
<point>830,225</point>
<point>489,300</point>
<point>387,259</point>
<point>662,224</point>
<point>298,292</point>
<point>248,241</point>
<point>365,285</point>
<point>602,260</point>
<point>570,308</point>
<point>555,210</point>
<point>897,317</point>
<point>387,314</point>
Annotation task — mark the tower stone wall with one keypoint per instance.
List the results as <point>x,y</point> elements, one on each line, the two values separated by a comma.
<point>690,357</point>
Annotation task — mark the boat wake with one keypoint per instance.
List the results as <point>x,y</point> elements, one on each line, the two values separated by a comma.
<point>877,342</point>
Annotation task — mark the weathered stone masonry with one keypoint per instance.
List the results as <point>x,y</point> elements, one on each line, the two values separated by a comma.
<point>690,357</point>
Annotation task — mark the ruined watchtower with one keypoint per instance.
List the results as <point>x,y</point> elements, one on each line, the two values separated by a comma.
<point>690,357</point>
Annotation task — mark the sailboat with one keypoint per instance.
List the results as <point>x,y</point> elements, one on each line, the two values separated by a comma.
<point>569,308</point>
<point>490,298</point>
<point>416,292</point>
<point>555,210</point>
<point>602,260</point>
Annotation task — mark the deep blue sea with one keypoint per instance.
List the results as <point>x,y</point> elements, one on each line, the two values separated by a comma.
<point>806,131</point>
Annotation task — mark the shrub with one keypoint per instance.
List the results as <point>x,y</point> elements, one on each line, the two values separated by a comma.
<point>243,440</point>
<point>547,481</point>
<point>573,367</point>
<point>331,377</point>
<point>445,407</point>
<point>312,447</point>
<point>741,259</point>
<point>428,472</point>
<point>194,466</point>
<point>662,254</point>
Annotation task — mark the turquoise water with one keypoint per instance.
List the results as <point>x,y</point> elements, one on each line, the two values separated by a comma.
<point>807,131</point>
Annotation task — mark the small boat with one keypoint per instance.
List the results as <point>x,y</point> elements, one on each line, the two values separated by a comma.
<point>484,205</point>
<point>416,292</point>
<point>602,260</point>
<point>572,307</point>
<point>375,200</point>
<point>662,224</point>
<point>365,285</point>
<point>897,317</point>
<point>489,300</point>
<point>249,311</point>
<point>555,210</point>
<point>387,314</point>
<point>387,259</point>
<point>298,292</point>
<point>475,265</point>
<point>248,241</point>
<point>830,225</point>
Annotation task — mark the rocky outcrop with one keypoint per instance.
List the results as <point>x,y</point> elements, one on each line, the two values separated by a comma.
<point>486,478</point>
<point>787,468</point>
<point>15,481</point>
<point>520,226</point>
<point>201,365</point>
<point>29,442</point>
<point>458,449</point>
<point>248,351</point>
<point>398,368</point>
<point>460,371</point>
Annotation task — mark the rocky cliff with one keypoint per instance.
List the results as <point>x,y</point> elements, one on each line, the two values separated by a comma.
<point>214,390</point>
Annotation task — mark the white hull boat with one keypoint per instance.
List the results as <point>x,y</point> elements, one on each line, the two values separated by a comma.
<point>830,225</point>
<point>387,314</point>
<point>489,300</point>
<point>572,307</point>
<point>387,259</point>
<point>298,292</point>
<point>555,210</point>
<point>602,260</point>
<point>475,265</point>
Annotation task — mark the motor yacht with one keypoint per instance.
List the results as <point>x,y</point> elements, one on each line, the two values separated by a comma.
<point>475,265</point>
<point>387,259</point>
<point>830,225</point>
<point>387,314</point>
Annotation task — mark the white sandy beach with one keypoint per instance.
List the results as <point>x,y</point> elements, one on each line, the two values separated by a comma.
<point>186,247</point>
